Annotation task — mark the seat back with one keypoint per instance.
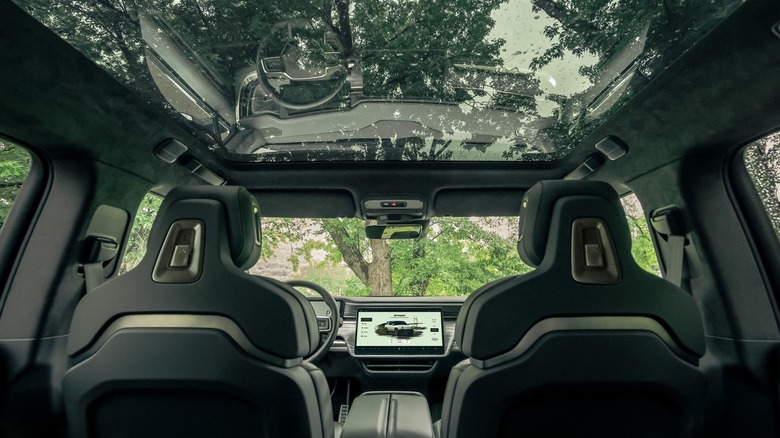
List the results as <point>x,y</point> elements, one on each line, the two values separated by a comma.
<point>188,344</point>
<point>588,343</point>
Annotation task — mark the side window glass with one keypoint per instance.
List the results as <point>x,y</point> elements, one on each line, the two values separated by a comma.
<point>641,241</point>
<point>139,233</point>
<point>762,161</point>
<point>14,167</point>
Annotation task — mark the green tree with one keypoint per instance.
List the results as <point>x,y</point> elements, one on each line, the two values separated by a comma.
<point>407,48</point>
<point>14,167</point>
<point>456,257</point>
<point>642,246</point>
<point>139,232</point>
<point>343,240</point>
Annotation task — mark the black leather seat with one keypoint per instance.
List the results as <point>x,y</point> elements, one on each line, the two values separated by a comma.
<point>588,344</point>
<point>189,345</point>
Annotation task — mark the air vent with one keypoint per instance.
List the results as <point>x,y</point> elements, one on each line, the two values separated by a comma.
<point>393,366</point>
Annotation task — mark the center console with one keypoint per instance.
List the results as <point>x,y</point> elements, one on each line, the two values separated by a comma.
<point>392,414</point>
<point>398,355</point>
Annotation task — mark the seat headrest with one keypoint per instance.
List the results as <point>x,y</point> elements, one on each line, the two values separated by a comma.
<point>536,215</point>
<point>240,210</point>
<point>202,241</point>
<point>576,235</point>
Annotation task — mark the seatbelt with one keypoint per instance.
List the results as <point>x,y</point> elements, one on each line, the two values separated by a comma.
<point>668,222</point>
<point>107,227</point>
<point>93,275</point>
<point>674,268</point>
<point>98,250</point>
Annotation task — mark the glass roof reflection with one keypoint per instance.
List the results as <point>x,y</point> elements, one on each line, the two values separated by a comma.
<point>365,80</point>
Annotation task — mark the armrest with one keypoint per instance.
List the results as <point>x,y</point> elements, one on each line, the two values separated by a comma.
<point>394,414</point>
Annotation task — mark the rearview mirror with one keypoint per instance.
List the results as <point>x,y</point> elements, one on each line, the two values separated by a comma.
<point>394,231</point>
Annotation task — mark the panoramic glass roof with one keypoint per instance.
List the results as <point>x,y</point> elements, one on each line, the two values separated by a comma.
<point>306,80</point>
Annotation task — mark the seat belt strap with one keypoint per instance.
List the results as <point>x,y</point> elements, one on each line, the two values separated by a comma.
<point>669,222</point>
<point>676,255</point>
<point>99,250</point>
<point>93,275</point>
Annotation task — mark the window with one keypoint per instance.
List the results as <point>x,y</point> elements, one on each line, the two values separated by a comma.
<point>762,161</point>
<point>139,233</point>
<point>457,256</point>
<point>14,167</point>
<point>641,241</point>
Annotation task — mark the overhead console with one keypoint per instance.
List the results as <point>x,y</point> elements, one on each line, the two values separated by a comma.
<point>393,208</point>
<point>399,217</point>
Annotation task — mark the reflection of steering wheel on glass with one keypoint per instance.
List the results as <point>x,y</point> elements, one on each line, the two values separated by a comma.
<point>329,330</point>
<point>300,66</point>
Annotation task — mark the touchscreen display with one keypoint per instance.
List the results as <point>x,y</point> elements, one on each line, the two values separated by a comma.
<point>399,331</point>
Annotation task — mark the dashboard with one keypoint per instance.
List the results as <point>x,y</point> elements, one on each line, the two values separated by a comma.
<point>393,335</point>
<point>391,344</point>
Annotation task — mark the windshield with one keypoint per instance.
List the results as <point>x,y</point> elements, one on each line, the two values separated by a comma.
<point>457,256</point>
<point>394,80</point>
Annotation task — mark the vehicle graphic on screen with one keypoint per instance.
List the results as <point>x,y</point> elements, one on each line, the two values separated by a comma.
<point>399,328</point>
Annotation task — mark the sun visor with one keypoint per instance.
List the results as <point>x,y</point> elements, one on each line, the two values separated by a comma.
<point>482,202</point>
<point>305,203</point>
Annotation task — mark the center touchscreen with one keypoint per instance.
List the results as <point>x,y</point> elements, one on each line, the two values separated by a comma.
<point>399,332</point>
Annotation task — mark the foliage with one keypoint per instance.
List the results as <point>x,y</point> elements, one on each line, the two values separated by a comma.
<point>139,233</point>
<point>641,241</point>
<point>456,257</point>
<point>440,50</point>
<point>407,50</point>
<point>408,53</point>
<point>14,166</point>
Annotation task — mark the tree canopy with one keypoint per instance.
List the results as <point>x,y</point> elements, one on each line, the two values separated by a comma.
<point>456,257</point>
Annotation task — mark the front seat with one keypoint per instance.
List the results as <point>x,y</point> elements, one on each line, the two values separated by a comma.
<point>189,345</point>
<point>588,344</point>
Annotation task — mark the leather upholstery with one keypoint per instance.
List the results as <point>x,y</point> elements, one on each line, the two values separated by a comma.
<point>227,339</point>
<point>548,337</point>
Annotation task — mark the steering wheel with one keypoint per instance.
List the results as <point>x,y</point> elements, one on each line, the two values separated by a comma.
<point>326,338</point>
<point>300,63</point>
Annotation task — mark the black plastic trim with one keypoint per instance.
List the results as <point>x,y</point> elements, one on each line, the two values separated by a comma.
<point>756,225</point>
<point>18,226</point>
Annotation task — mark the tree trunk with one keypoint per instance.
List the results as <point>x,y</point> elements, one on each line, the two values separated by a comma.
<point>352,255</point>
<point>380,275</point>
<point>420,285</point>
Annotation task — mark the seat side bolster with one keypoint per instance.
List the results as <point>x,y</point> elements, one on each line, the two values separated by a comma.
<point>449,410</point>
<point>323,399</point>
